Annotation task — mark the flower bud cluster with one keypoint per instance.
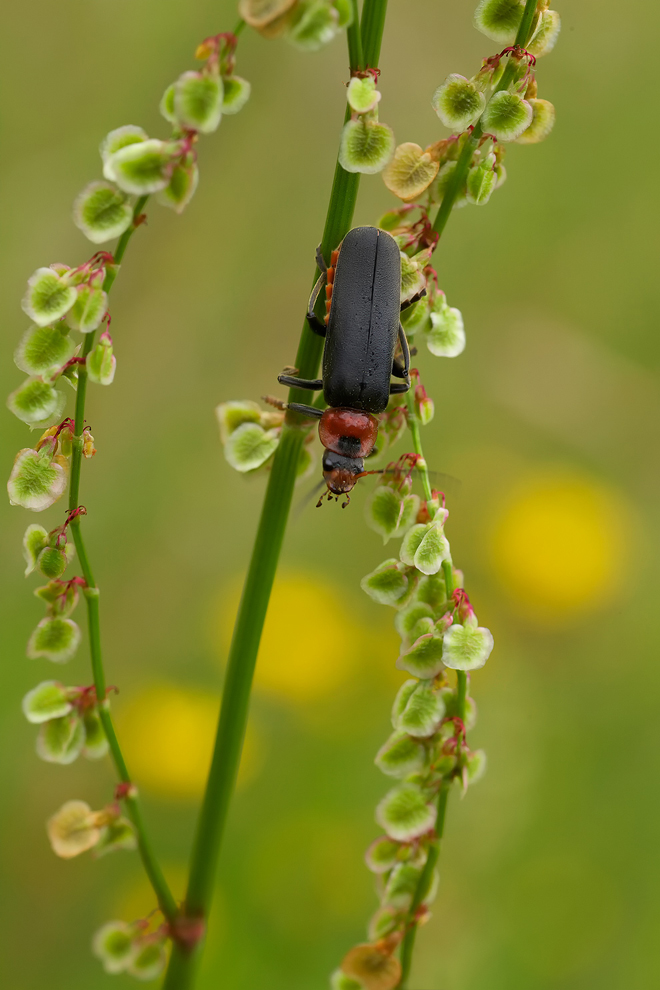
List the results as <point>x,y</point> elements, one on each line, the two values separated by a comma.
<point>427,748</point>
<point>501,99</point>
<point>307,24</point>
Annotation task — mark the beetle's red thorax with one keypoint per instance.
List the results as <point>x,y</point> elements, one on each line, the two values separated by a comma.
<point>348,431</point>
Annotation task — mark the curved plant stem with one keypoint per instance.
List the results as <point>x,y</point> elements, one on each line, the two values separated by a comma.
<point>166,901</point>
<point>413,425</point>
<point>263,565</point>
<point>457,180</point>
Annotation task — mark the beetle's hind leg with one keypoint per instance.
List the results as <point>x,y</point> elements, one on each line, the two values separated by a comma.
<point>398,388</point>
<point>314,386</point>
<point>401,365</point>
<point>318,326</point>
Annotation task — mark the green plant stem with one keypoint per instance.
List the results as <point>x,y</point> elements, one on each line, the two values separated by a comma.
<point>413,425</point>
<point>166,900</point>
<point>424,883</point>
<point>261,573</point>
<point>457,180</point>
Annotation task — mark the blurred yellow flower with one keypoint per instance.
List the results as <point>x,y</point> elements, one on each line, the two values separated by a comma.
<point>561,543</point>
<point>167,733</point>
<point>310,644</point>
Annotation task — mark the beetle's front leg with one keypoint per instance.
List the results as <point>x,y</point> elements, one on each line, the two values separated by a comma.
<point>314,386</point>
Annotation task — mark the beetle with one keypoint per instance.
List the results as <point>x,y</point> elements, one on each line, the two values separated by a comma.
<point>361,329</point>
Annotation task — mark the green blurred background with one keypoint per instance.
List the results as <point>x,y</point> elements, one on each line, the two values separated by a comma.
<point>550,420</point>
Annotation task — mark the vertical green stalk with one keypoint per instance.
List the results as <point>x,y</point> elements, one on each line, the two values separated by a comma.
<point>166,901</point>
<point>263,564</point>
<point>457,180</point>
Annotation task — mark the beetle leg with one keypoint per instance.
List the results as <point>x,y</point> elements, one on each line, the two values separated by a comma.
<point>300,407</point>
<point>292,382</point>
<point>401,369</point>
<point>320,261</point>
<point>315,324</point>
<point>411,302</point>
<point>398,388</point>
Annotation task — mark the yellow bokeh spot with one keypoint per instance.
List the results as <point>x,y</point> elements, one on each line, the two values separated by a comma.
<point>561,544</point>
<point>311,642</point>
<point>167,733</point>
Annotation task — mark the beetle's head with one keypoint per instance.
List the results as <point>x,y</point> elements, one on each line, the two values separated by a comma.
<point>349,432</point>
<point>341,473</point>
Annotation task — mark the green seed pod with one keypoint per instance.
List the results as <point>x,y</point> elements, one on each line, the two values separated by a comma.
<point>102,212</point>
<point>476,765</point>
<point>36,403</point>
<point>61,740</point>
<point>166,105</point>
<point>407,620</point>
<point>438,188</point>
<point>61,598</point>
<point>44,349</point>
<point>34,540</point>
<point>198,101</point>
<point>114,944</point>
<point>425,547</point>
<point>49,297</point>
<point>249,447</point>
<point>412,277</point>
<point>366,146</point>
<point>149,961</point>
<point>401,886</point>
<point>404,813</point>
<point>314,24</point>
<point>390,513</point>
<point>52,562</point>
<point>457,102</point>
<point>499,19</point>
<point>385,921</point>
<point>46,701</point>
<point>181,187</point>
<point>73,829</point>
<point>543,121</point>
<point>506,116</point>
<point>481,181</point>
<point>432,590</point>
<point>37,479</point>
<point>120,138</point>
<point>416,317</point>
<point>231,415</point>
<point>388,584</point>
<point>373,966</point>
<point>269,17</point>
<point>382,854</point>
<point>89,309</point>
<point>446,338</point>
<point>339,981</point>
<point>101,362</point>
<point>468,646</point>
<point>96,743</point>
<point>54,639</point>
<point>420,710</point>
<point>117,834</point>
<point>545,37</point>
<point>424,658</point>
<point>235,93</point>
<point>344,10</point>
<point>141,168</point>
<point>400,755</point>
<point>362,94</point>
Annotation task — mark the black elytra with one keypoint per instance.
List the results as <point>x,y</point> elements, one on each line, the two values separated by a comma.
<point>361,331</point>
